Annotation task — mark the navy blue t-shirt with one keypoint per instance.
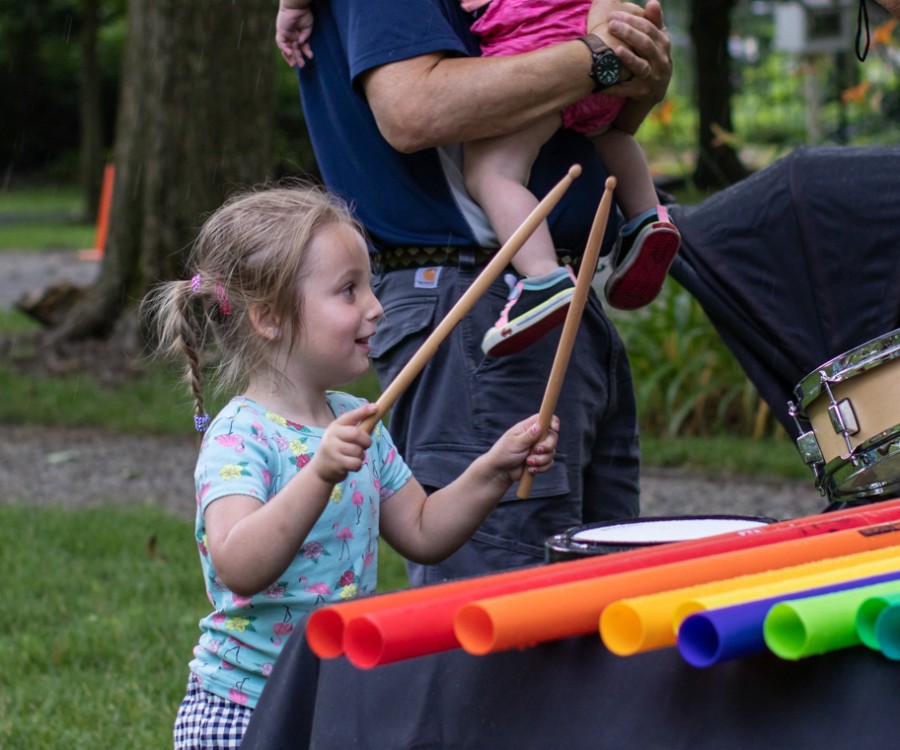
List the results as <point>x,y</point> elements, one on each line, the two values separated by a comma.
<point>416,199</point>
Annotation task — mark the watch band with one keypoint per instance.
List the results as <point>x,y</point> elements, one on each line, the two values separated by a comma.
<point>594,43</point>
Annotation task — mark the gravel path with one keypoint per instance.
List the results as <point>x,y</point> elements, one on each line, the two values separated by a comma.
<point>45,467</point>
<point>25,272</point>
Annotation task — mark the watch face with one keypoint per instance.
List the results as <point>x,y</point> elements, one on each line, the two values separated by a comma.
<point>607,68</point>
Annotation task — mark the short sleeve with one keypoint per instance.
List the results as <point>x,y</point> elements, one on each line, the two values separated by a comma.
<point>235,459</point>
<point>393,471</point>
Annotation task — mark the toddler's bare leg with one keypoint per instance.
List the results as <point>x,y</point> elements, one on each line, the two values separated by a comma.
<point>497,172</point>
<point>625,160</point>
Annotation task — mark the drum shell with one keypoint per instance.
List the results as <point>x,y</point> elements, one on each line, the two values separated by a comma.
<point>864,384</point>
<point>875,399</point>
<point>568,545</point>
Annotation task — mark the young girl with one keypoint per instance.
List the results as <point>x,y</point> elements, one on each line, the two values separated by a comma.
<point>292,494</point>
<point>497,170</point>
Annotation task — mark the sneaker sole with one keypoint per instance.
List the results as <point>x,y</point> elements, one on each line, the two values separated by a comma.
<point>523,331</point>
<point>636,284</point>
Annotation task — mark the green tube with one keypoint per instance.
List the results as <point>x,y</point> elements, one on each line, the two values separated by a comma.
<point>867,618</point>
<point>804,627</point>
<point>887,629</point>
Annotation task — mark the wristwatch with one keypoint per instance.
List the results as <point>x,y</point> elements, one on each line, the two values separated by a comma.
<point>606,68</point>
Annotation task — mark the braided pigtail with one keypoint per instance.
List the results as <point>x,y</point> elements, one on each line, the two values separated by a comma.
<point>177,310</point>
<point>189,342</point>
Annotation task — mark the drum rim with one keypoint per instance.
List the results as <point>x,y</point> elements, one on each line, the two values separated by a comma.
<point>567,534</point>
<point>853,362</point>
<point>839,470</point>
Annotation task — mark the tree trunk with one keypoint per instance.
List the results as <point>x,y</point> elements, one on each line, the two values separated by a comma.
<point>718,164</point>
<point>91,149</point>
<point>195,120</point>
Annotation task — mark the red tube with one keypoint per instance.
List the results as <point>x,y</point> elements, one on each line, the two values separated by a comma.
<point>545,614</point>
<point>326,627</point>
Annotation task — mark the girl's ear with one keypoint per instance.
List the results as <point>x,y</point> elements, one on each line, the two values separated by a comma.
<point>265,322</point>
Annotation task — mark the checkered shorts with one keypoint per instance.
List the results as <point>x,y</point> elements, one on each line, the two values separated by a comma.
<point>207,722</point>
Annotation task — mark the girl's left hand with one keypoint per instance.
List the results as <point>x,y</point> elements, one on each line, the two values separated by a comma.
<point>522,448</point>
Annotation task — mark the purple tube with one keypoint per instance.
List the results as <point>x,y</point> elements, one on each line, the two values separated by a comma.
<point>716,635</point>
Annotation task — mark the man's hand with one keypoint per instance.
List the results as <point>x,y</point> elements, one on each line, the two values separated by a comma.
<point>646,48</point>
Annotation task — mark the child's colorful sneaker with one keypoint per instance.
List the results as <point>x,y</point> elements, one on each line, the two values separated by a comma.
<point>536,306</point>
<point>640,261</point>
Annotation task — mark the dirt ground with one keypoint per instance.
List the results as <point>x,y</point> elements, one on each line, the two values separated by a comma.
<point>86,467</point>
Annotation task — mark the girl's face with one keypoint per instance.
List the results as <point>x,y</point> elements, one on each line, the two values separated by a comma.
<point>339,309</point>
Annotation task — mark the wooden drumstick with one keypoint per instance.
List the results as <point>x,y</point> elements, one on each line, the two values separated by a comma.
<point>465,303</point>
<point>570,327</point>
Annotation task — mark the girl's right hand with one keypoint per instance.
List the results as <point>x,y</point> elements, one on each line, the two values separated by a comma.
<point>343,447</point>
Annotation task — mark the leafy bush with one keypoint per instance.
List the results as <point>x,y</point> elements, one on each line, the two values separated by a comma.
<point>687,381</point>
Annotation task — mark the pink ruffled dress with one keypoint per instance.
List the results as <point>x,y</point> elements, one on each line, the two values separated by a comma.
<point>510,27</point>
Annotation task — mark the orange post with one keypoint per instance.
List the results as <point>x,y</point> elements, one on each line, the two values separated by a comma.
<point>95,253</point>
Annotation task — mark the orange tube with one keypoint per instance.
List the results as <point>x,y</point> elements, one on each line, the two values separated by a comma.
<point>326,626</point>
<point>551,613</point>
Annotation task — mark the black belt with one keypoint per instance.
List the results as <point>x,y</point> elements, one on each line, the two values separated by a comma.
<point>399,258</point>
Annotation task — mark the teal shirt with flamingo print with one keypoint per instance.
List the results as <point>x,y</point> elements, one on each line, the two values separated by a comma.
<point>248,450</point>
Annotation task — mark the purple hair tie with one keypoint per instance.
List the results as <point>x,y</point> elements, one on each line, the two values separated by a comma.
<point>195,284</point>
<point>201,422</point>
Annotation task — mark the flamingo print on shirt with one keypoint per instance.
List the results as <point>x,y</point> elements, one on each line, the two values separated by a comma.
<point>343,534</point>
<point>320,589</point>
<point>358,499</point>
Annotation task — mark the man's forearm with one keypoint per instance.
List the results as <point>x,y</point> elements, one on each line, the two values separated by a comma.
<point>433,100</point>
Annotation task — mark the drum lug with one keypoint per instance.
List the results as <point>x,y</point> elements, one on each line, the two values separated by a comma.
<point>843,418</point>
<point>809,448</point>
<point>807,444</point>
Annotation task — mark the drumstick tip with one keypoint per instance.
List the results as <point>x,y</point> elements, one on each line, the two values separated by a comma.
<point>610,183</point>
<point>574,171</point>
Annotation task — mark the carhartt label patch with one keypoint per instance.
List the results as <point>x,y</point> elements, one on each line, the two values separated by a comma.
<point>427,278</point>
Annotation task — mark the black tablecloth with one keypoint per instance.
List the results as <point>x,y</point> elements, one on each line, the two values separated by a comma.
<point>575,694</point>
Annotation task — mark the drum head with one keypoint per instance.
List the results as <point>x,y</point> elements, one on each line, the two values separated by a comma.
<point>618,536</point>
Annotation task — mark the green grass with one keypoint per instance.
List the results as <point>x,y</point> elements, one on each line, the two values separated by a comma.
<point>99,632</point>
<point>41,200</point>
<point>49,234</point>
<point>44,218</point>
<point>100,625</point>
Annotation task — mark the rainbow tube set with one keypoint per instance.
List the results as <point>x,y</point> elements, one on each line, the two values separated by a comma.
<point>796,588</point>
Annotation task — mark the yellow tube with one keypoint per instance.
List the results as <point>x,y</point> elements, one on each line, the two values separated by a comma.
<point>642,623</point>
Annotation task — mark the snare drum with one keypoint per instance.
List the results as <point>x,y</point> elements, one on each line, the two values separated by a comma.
<point>852,407</point>
<point>617,536</point>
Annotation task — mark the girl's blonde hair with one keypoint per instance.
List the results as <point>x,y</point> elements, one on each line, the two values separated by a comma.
<point>250,252</point>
